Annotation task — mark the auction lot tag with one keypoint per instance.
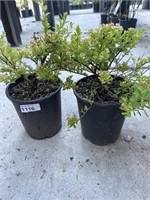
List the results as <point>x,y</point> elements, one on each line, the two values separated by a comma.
<point>30,108</point>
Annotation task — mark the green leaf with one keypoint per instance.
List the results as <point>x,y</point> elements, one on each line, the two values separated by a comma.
<point>69,83</point>
<point>72,121</point>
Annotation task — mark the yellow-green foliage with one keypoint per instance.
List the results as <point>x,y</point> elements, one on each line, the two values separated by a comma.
<point>11,64</point>
<point>107,52</point>
<point>44,50</point>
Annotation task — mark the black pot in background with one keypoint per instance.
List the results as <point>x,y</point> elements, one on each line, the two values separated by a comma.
<point>30,13</point>
<point>40,118</point>
<point>18,12</point>
<point>102,123</point>
<point>114,19</point>
<point>87,6</point>
<point>80,6</point>
<point>109,15</point>
<point>103,18</point>
<point>84,6</point>
<point>96,7</point>
<point>76,7</point>
<point>71,7</point>
<point>25,13</point>
<point>90,5</point>
<point>126,24</point>
<point>146,4</point>
<point>66,6</point>
<point>55,7</point>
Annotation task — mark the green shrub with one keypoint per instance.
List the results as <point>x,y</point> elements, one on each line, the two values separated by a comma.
<point>106,54</point>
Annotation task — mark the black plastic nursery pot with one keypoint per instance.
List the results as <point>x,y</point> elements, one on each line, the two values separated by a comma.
<point>126,24</point>
<point>101,123</point>
<point>25,13</point>
<point>108,17</point>
<point>18,12</point>
<point>66,7</point>
<point>95,7</point>
<point>30,13</point>
<point>103,18</point>
<point>114,19</point>
<point>55,7</point>
<point>146,4</point>
<point>41,118</point>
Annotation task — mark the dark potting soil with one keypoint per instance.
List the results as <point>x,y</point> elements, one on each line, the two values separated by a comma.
<point>91,88</point>
<point>33,88</point>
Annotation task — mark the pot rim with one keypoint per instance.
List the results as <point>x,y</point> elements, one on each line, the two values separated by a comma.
<point>114,16</point>
<point>28,101</point>
<point>128,20</point>
<point>97,104</point>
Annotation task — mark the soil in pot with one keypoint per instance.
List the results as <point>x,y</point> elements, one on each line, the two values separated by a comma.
<point>38,105</point>
<point>102,121</point>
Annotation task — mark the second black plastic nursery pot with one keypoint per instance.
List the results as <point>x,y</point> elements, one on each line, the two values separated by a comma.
<point>41,118</point>
<point>103,18</point>
<point>101,123</point>
<point>25,13</point>
<point>96,7</point>
<point>114,19</point>
<point>108,17</point>
<point>30,13</point>
<point>146,4</point>
<point>126,24</point>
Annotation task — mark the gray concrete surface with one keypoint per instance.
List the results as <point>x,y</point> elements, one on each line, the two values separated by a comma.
<point>68,166</point>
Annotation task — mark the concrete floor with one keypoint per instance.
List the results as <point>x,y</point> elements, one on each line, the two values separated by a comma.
<point>68,166</point>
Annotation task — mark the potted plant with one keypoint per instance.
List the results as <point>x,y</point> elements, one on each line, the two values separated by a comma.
<point>35,90</point>
<point>76,4</point>
<point>24,8</point>
<point>113,7</point>
<point>96,6</point>
<point>114,83</point>
<point>127,14</point>
<point>105,16</point>
<point>26,12</point>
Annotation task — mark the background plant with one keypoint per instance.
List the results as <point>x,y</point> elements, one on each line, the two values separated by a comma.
<point>79,2</point>
<point>130,9</point>
<point>23,3</point>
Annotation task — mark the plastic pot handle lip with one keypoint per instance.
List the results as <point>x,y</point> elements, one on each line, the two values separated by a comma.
<point>97,104</point>
<point>29,101</point>
<point>130,19</point>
